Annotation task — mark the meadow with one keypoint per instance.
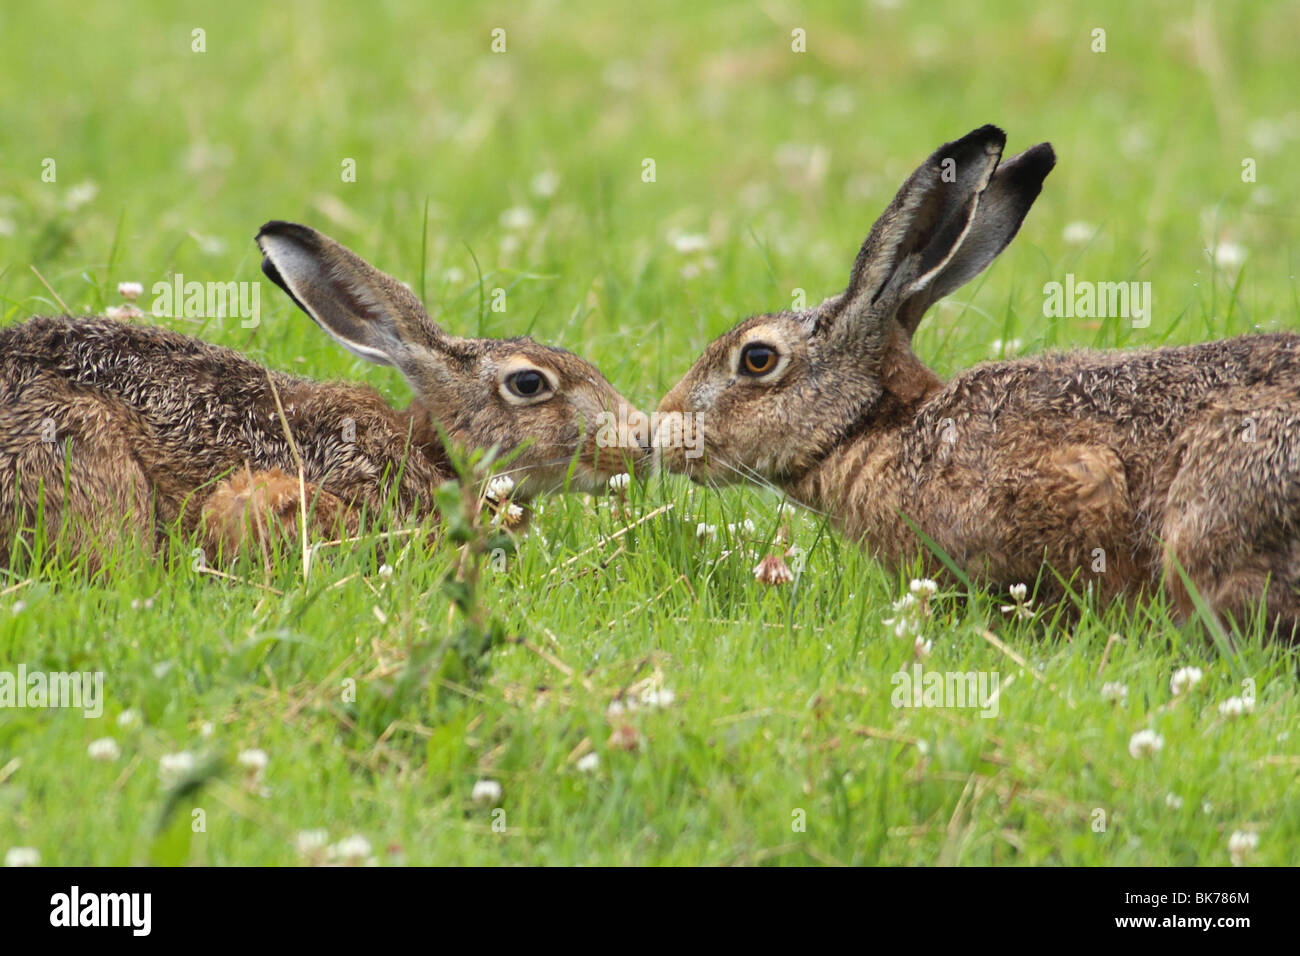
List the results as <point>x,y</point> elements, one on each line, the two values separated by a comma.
<point>642,699</point>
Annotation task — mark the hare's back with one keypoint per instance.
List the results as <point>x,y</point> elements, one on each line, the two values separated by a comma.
<point>1137,395</point>
<point>148,368</point>
<point>195,407</point>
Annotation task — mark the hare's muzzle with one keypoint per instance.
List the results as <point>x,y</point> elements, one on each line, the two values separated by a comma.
<point>624,442</point>
<point>678,439</point>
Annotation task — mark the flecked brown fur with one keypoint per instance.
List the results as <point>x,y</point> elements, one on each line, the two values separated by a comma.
<point>1107,470</point>
<point>111,431</point>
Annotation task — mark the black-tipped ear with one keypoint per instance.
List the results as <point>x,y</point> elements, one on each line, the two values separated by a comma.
<point>949,220</point>
<point>367,312</point>
<point>1001,209</point>
<point>927,218</point>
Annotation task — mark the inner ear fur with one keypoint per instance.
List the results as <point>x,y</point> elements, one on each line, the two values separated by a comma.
<point>365,310</point>
<point>948,221</point>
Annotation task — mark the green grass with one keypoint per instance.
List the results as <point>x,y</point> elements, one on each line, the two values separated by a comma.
<point>780,697</point>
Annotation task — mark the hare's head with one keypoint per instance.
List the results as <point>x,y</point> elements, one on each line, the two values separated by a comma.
<point>549,406</point>
<point>773,396</point>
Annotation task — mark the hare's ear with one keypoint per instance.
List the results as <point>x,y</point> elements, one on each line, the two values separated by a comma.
<point>999,211</point>
<point>937,233</point>
<point>364,310</point>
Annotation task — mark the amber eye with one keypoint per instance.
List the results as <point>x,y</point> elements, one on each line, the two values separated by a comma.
<point>527,384</point>
<point>757,359</point>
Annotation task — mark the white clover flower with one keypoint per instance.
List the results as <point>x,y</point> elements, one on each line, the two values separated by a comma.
<point>1266,135</point>
<point>1241,845</point>
<point>23,856</point>
<point>703,530</point>
<point>1022,608</point>
<point>499,488</point>
<point>353,850</point>
<point>588,762</point>
<point>690,243</point>
<point>207,729</point>
<point>129,718</point>
<point>654,696</point>
<point>254,761</point>
<point>1134,141</point>
<point>105,749</point>
<point>920,586</point>
<point>910,613</point>
<point>922,647</point>
<point>486,791</point>
<point>838,101</point>
<point>79,195</point>
<point>311,842</point>
<point>545,184</point>
<point>1236,706</point>
<point>210,245</point>
<point>1173,801</point>
<point>745,526</point>
<point>1077,233</point>
<point>130,290</point>
<point>517,218</point>
<point>1184,679</point>
<point>172,767</point>
<point>1115,691</point>
<point>385,571</point>
<point>1229,255</point>
<point>123,313</point>
<point>620,481</point>
<point>1145,743</point>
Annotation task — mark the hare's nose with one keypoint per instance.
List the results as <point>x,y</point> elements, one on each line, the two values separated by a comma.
<point>638,432</point>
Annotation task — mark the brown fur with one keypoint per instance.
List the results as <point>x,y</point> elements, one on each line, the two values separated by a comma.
<point>1061,460</point>
<point>110,431</point>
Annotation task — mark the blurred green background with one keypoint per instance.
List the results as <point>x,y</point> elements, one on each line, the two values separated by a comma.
<point>522,171</point>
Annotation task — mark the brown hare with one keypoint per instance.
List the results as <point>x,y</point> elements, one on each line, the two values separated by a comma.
<point>100,419</point>
<point>1115,470</point>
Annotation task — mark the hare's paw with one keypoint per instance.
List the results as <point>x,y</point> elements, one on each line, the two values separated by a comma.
<point>254,509</point>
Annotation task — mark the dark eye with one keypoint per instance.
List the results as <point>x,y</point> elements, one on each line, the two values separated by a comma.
<point>757,359</point>
<point>527,384</point>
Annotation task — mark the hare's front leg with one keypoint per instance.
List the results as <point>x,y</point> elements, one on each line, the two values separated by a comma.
<point>255,508</point>
<point>1232,514</point>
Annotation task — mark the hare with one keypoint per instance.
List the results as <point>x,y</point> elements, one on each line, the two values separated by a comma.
<point>118,429</point>
<point>1109,471</point>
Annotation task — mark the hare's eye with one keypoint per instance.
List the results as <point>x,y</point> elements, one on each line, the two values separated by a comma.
<point>528,383</point>
<point>757,359</point>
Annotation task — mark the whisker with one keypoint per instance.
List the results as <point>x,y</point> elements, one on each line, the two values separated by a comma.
<point>749,475</point>
<point>538,464</point>
<point>752,476</point>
